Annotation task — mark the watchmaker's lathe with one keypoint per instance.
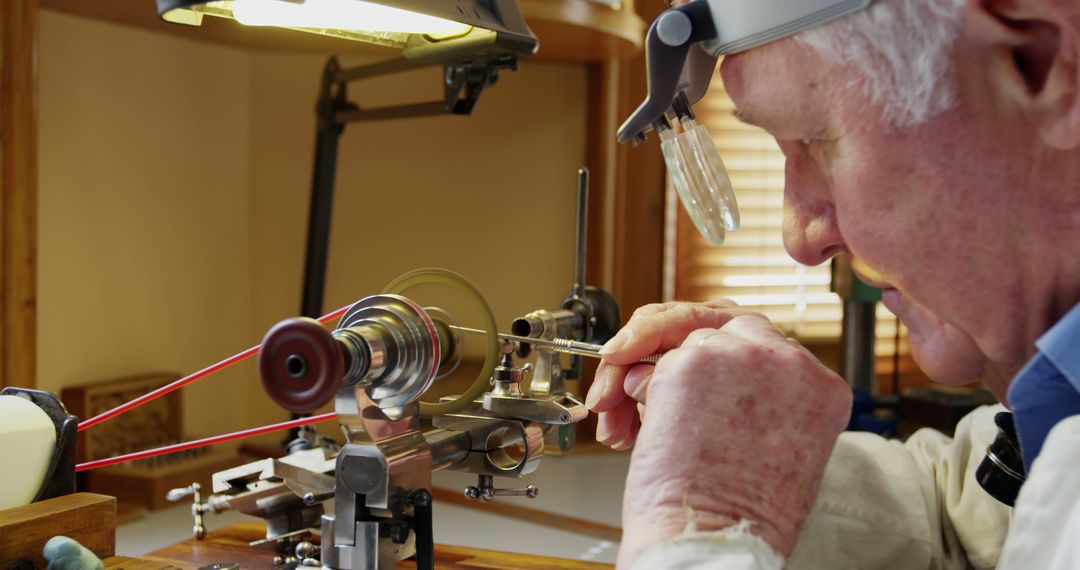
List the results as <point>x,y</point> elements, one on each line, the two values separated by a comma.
<point>371,497</point>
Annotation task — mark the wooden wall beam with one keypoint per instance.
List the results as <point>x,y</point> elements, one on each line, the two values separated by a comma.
<point>626,221</point>
<point>18,191</point>
<point>627,193</point>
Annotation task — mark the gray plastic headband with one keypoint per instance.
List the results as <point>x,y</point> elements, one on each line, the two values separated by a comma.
<point>744,24</point>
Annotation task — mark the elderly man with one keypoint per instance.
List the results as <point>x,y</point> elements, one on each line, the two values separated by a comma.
<point>938,143</point>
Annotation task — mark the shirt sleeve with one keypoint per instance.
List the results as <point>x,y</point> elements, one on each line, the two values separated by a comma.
<point>1048,508</point>
<point>882,504</point>
<point>733,548</point>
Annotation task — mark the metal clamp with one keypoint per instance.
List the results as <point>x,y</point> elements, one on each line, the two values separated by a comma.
<point>552,409</point>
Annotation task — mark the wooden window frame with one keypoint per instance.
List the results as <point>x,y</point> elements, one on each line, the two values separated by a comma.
<point>18,192</point>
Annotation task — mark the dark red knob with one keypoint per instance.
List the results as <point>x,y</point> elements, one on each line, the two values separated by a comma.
<point>301,365</point>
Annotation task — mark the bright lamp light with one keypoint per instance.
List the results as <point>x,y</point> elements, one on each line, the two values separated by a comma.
<point>432,30</point>
<point>343,15</point>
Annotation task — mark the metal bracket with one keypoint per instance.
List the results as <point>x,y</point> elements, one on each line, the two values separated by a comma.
<point>553,409</point>
<point>471,80</point>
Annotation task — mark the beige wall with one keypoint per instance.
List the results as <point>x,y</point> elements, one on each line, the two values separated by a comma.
<point>173,230</point>
<point>144,223</point>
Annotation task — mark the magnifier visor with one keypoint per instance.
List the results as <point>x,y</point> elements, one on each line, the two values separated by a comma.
<point>700,178</point>
<point>681,49</point>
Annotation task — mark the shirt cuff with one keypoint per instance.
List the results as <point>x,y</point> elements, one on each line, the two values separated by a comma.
<point>732,548</point>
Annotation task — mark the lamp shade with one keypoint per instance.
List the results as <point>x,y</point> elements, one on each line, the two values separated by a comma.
<point>437,30</point>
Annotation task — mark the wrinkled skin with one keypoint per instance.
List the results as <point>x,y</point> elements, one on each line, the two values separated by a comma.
<point>968,221</point>
<point>747,379</point>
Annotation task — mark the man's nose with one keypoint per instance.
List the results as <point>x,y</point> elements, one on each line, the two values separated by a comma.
<point>811,235</point>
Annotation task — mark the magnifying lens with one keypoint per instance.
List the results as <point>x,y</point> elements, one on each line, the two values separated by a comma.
<point>698,174</point>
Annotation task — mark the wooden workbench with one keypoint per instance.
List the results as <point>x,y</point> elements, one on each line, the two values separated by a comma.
<point>230,544</point>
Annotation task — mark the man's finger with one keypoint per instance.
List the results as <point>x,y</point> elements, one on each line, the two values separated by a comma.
<point>630,438</point>
<point>664,330</point>
<point>703,336</point>
<point>606,391</point>
<point>612,427</point>
<point>654,308</point>
<point>637,381</point>
<point>753,327</point>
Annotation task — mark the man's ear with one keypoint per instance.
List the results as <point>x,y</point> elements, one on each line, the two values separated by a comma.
<point>1038,42</point>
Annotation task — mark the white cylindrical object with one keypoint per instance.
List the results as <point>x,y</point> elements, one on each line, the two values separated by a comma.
<point>27,439</point>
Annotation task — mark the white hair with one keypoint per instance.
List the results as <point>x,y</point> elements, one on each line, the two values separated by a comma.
<point>901,52</point>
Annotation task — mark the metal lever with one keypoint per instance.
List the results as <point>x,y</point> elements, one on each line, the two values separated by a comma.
<point>197,507</point>
<point>485,490</point>
<point>581,234</point>
<point>578,300</point>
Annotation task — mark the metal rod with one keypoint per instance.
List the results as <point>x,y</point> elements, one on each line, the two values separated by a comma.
<point>320,211</point>
<point>857,344</point>
<point>376,69</point>
<point>563,345</point>
<point>319,217</point>
<point>580,237</point>
<point>393,112</point>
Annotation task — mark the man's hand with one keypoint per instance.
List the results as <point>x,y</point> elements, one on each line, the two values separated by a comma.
<point>740,423</point>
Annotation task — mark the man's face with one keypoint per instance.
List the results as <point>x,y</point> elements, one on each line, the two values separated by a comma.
<point>923,210</point>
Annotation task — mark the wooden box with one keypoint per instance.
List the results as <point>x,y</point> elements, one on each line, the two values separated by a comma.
<point>85,517</point>
<point>154,424</point>
<point>150,425</point>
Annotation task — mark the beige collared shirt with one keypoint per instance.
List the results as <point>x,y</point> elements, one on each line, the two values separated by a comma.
<point>882,504</point>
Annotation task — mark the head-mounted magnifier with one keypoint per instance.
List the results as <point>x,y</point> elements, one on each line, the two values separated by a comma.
<point>681,50</point>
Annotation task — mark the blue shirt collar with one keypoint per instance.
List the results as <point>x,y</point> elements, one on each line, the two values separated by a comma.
<point>1061,345</point>
<point>1047,389</point>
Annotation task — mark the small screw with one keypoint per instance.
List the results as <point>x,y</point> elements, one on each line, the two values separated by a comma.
<point>399,533</point>
<point>306,549</point>
<point>421,498</point>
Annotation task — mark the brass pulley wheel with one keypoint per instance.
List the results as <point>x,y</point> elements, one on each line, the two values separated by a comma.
<point>436,276</point>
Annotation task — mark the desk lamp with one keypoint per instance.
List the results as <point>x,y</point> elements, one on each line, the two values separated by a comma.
<point>435,31</point>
